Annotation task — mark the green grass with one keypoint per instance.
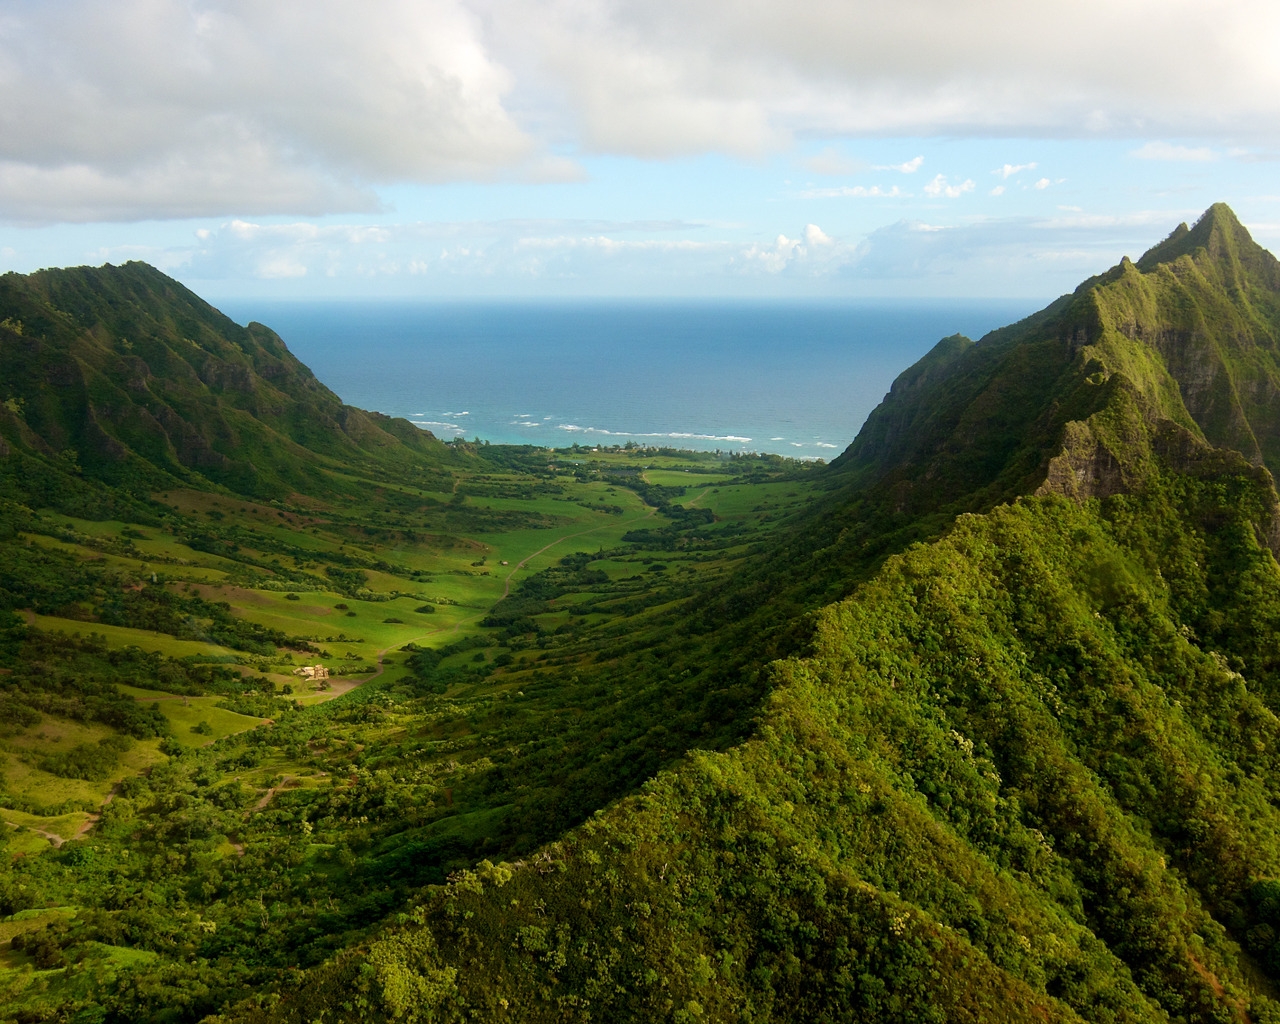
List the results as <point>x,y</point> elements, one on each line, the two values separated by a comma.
<point>123,636</point>
<point>64,825</point>
<point>685,478</point>
<point>184,713</point>
<point>24,779</point>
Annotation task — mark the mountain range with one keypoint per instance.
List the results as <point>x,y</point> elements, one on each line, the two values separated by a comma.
<point>987,728</point>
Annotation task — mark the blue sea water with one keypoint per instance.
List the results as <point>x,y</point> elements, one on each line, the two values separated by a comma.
<point>795,378</point>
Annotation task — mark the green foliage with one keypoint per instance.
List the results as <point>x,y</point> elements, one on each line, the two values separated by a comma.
<point>1011,765</point>
<point>153,387</point>
<point>85,761</point>
<point>1005,764</point>
<point>192,618</point>
<point>76,679</point>
<point>348,581</point>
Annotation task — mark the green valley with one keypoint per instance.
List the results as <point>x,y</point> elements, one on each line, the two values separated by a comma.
<point>312,716</point>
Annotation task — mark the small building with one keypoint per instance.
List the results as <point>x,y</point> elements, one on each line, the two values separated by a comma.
<point>312,672</point>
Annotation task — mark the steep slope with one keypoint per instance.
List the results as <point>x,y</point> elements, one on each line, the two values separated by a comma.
<point>122,375</point>
<point>1190,335</point>
<point>1027,771</point>
<point>1163,361</point>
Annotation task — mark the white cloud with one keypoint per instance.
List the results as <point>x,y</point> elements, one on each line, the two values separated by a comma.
<point>1177,154</point>
<point>855,191</point>
<point>1009,170</point>
<point>1043,183</point>
<point>1039,256</point>
<point>814,235</point>
<point>663,77</point>
<point>997,191</point>
<point>172,109</point>
<point>776,257</point>
<point>910,167</point>
<point>815,255</point>
<point>604,244</point>
<point>179,108</point>
<point>940,187</point>
<point>425,257</point>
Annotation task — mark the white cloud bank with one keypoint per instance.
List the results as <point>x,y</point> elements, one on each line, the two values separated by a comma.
<point>178,108</point>
<point>1025,256</point>
<point>659,77</point>
<point>170,108</point>
<point>1175,154</point>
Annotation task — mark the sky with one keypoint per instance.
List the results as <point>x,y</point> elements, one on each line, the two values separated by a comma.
<point>591,148</point>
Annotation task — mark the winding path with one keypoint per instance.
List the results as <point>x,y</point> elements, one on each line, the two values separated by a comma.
<point>506,590</point>
<point>53,837</point>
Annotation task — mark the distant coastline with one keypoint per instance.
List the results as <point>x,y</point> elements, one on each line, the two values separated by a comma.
<point>700,375</point>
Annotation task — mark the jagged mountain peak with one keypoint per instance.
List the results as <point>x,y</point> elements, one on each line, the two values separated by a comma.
<point>1223,239</point>
<point>1186,341</point>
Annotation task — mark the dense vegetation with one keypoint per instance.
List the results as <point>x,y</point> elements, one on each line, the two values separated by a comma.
<point>1028,771</point>
<point>122,375</point>
<point>979,723</point>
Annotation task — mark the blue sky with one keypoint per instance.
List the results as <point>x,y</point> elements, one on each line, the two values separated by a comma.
<point>468,148</point>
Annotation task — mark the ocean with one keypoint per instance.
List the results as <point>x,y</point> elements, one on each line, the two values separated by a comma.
<point>793,378</point>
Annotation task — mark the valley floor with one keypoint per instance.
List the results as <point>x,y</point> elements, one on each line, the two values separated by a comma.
<point>180,798</point>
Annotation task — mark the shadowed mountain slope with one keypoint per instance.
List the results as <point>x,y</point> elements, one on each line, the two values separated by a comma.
<point>122,375</point>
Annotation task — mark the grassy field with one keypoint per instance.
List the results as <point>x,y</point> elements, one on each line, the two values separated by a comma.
<point>186,714</point>
<point>23,748</point>
<point>33,832</point>
<point>282,574</point>
<point>123,636</point>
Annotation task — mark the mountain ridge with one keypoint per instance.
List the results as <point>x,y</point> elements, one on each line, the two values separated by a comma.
<point>1072,399</point>
<point>184,394</point>
<point>994,723</point>
<point>1026,769</point>
<point>1188,333</point>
